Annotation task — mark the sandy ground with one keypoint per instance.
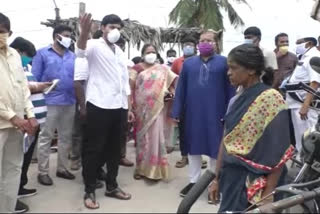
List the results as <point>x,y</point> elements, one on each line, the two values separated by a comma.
<point>67,196</point>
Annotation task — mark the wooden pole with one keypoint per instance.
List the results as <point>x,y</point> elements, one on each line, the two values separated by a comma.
<point>57,10</point>
<point>129,48</point>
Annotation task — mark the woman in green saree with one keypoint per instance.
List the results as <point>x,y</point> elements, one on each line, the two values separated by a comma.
<point>154,87</point>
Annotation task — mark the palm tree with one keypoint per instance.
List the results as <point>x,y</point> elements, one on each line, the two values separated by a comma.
<point>205,14</point>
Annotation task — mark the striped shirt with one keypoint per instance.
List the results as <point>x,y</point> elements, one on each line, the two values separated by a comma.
<point>38,100</point>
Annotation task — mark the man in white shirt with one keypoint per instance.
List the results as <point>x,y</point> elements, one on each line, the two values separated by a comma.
<point>106,105</point>
<point>252,35</point>
<point>304,114</point>
<point>81,72</point>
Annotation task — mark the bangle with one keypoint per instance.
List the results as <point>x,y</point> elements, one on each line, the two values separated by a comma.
<point>214,181</point>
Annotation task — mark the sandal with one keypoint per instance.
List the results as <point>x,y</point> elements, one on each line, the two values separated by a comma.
<point>137,176</point>
<point>204,164</point>
<point>169,149</point>
<point>92,198</point>
<point>182,163</point>
<point>118,194</point>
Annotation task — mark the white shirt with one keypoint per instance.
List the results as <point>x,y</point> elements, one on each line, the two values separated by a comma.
<point>81,69</point>
<point>303,73</point>
<point>108,79</point>
<point>270,58</point>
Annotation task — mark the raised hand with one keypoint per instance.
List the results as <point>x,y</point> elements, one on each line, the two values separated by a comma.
<point>85,27</point>
<point>85,23</point>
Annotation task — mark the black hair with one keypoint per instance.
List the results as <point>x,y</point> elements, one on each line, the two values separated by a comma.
<point>61,28</point>
<point>144,48</point>
<point>111,19</point>
<point>161,61</point>
<point>171,51</point>
<point>276,39</point>
<point>312,40</point>
<point>5,22</point>
<point>23,45</point>
<point>251,57</point>
<point>136,60</point>
<point>189,39</point>
<point>253,31</point>
<point>97,34</point>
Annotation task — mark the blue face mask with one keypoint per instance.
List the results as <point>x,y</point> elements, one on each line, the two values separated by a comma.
<point>25,60</point>
<point>188,51</point>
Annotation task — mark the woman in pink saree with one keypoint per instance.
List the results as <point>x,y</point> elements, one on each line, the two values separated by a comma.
<point>153,88</point>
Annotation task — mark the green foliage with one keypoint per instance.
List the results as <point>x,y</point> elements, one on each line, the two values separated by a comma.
<point>205,13</point>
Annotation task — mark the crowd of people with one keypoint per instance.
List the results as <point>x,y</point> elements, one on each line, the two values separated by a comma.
<point>245,112</point>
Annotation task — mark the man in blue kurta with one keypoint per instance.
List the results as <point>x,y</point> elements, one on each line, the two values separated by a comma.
<point>201,98</point>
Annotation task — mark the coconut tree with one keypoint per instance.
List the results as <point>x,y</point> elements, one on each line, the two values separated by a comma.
<point>205,13</point>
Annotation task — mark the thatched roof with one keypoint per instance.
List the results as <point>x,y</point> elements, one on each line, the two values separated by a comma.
<point>135,32</point>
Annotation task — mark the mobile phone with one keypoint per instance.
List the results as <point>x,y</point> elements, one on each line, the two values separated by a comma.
<point>49,89</point>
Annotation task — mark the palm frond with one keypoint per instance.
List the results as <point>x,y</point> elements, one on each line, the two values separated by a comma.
<point>243,2</point>
<point>182,13</point>
<point>209,15</point>
<point>233,16</point>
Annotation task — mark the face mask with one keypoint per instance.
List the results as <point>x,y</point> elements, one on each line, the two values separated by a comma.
<point>248,41</point>
<point>3,39</point>
<point>65,41</point>
<point>301,49</point>
<point>113,36</point>
<point>171,59</point>
<point>25,60</point>
<point>150,58</point>
<point>205,49</point>
<point>188,51</point>
<point>284,49</point>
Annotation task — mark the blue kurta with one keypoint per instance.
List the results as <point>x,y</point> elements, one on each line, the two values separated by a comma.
<point>201,99</point>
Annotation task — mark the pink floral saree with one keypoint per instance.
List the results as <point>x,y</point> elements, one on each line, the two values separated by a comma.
<point>152,85</point>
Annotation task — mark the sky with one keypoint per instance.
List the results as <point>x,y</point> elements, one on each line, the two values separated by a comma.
<point>271,16</point>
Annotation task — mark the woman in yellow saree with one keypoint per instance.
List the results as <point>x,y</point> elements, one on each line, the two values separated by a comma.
<point>154,86</point>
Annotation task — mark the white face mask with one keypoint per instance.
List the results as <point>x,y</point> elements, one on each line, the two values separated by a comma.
<point>301,48</point>
<point>113,36</point>
<point>171,59</point>
<point>150,58</point>
<point>248,41</point>
<point>65,41</point>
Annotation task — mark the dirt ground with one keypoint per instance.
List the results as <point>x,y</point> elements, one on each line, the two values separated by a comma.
<point>151,197</point>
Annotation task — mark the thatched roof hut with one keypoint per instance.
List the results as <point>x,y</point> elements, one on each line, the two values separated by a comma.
<point>135,32</point>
